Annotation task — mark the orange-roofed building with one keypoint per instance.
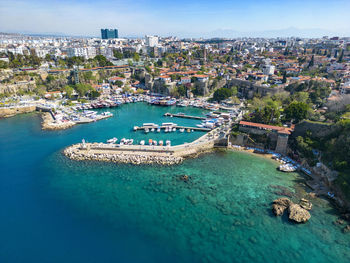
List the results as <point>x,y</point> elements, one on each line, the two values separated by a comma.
<point>277,135</point>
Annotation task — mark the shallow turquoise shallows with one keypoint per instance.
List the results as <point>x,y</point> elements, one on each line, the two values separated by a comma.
<point>57,210</point>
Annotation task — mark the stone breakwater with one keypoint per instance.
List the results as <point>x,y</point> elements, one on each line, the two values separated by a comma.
<point>121,157</point>
<point>141,154</point>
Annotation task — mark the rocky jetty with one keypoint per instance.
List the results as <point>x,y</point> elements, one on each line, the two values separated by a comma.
<point>297,212</point>
<point>49,123</point>
<point>72,153</point>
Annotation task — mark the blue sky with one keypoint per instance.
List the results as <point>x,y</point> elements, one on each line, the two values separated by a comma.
<point>176,17</point>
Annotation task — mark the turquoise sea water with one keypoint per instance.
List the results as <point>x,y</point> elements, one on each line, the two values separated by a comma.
<point>57,210</point>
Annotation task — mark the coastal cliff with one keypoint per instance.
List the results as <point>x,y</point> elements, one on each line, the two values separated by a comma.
<point>12,111</point>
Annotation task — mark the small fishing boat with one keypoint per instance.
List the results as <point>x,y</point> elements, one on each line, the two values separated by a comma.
<point>287,168</point>
<point>113,140</point>
<point>168,143</point>
<point>142,142</point>
<point>182,130</point>
<point>161,143</point>
<point>158,129</point>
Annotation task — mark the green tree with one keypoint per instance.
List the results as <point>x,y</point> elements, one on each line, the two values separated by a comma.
<point>94,94</point>
<point>4,64</point>
<point>268,114</point>
<point>40,91</point>
<point>69,91</point>
<point>82,89</point>
<point>284,80</point>
<point>296,111</point>
<point>119,83</point>
<point>102,61</point>
<point>312,62</point>
<point>117,54</point>
<point>136,57</point>
<point>222,94</point>
<point>182,90</point>
<point>340,59</point>
<point>301,96</point>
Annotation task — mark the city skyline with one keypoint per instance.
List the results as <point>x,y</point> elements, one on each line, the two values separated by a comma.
<point>184,19</point>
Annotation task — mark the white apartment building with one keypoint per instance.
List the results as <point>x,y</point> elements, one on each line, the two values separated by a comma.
<point>269,70</point>
<point>86,52</point>
<point>151,41</point>
<point>41,53</point>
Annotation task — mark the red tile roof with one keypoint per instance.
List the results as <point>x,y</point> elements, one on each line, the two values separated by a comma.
<point>279,129</point>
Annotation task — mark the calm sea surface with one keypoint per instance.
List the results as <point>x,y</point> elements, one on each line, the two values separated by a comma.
<point>53,209</point>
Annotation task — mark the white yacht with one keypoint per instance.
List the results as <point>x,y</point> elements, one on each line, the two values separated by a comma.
<point>113,140</point>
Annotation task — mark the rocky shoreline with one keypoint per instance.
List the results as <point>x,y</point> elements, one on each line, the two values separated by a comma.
<point>135,159</point>
<point>48,123</point>
<point>10,112</point>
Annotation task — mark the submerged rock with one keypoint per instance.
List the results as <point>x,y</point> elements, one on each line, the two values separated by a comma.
<point>339,222</point>
<point>306,204</point>
<point>298,214</point>
<point>184,178</point>
<point>281,190</point>
<point>280,205</point>
<point>346,229</point>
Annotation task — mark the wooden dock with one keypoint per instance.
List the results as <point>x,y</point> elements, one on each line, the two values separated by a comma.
<point>179,115</point>
<point>136,128</point>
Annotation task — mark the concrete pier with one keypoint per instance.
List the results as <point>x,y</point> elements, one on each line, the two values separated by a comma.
<point>179,115</point>
<point>136,128</point>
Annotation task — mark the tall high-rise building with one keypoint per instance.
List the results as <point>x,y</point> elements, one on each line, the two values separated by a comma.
<point>109,33</point>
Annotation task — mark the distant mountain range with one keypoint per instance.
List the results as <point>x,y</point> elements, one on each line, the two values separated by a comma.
<point>219,33</point>
<point>288,32</point>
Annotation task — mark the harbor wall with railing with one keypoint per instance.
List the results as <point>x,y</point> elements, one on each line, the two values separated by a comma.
<point>142,154</point>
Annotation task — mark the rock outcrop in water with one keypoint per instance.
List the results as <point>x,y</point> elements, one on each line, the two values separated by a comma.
<point>280,205</point>
<point>306,204</point>
<point>297,212</point>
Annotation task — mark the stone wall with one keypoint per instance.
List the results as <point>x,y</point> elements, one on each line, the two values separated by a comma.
<point>317,129</point>
<point>247,89</point>
<point>163,88</point>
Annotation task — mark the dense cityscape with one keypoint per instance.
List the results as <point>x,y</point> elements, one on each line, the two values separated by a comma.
<point>284,99</point>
